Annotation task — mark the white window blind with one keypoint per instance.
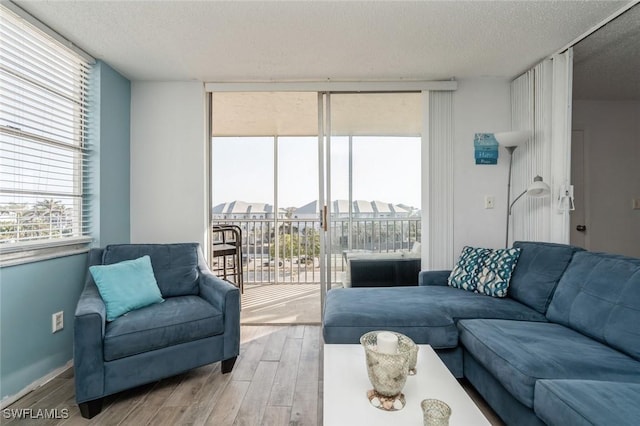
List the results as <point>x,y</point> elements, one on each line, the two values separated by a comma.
<point>43,140</point>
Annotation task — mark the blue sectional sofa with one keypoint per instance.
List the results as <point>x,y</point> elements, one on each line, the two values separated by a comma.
<point>563,348</point>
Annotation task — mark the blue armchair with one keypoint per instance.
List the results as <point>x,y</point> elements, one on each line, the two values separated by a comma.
<point>197,324</point>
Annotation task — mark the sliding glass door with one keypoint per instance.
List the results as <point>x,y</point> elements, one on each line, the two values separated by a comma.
<point>372,182</point>
<point>312,177</point>
<point>265,181</point>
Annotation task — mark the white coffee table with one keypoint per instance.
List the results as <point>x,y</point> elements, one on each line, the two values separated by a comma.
<point>346,384</point>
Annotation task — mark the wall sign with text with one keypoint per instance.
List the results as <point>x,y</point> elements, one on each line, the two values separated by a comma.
<point>486,148</point>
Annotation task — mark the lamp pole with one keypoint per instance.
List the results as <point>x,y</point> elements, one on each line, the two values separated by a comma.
<point>537,189</point>
<point>510,150</point>
<point>510,141</point>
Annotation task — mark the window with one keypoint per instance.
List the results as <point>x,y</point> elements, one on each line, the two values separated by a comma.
<point>43,142</point>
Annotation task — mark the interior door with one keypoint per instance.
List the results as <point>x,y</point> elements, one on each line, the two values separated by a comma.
<point>579,230</point>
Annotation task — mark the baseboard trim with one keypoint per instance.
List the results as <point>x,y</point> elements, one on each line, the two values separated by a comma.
<point>35,385</point>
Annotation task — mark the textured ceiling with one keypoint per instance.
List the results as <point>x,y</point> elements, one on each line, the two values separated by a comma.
<point>606,65</point>
<point>304,40</point>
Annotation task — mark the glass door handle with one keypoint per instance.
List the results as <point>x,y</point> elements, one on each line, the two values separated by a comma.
<point>325,226</point>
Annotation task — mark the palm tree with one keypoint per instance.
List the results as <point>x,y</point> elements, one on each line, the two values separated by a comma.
<point>15,231</point>
<point>52,211</point>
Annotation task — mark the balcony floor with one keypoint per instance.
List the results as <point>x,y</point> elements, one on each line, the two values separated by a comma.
<point>278,304</point>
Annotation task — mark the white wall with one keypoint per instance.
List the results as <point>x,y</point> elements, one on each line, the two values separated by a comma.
<point>612,173</point>
<point>481,105</point>
<point>168,162</point>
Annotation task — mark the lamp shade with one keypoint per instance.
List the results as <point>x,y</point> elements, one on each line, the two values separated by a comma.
<point>538,188</point>
<point>510,139</point>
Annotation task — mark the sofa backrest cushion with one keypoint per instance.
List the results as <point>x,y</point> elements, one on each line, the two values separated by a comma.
<point>175,266</point>
<point>538,271</point>
<point>599,296</point>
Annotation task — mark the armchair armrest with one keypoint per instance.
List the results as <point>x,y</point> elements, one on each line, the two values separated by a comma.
<point>226,297</point>
<point>218,292</point>
<point>433,278</point>
<point>91,304</point>
<point>88,335</point>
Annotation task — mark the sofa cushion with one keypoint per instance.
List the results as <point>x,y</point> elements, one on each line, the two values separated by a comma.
<point>587,402</point>
<point>177,320</point>
<point>426,314</point>
<point>126,285</point>
<point>538,271</point>
<point>460,304</point>
<point>175,266</point>
<point>599,295</point>
<point>352,312</point>
<point>518,353</point>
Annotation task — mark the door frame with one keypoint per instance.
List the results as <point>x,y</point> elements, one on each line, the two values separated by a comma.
<point>437,163</point>
<point>582,198</point>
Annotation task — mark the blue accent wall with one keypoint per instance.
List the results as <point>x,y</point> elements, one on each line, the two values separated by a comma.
<point>29,295</point>
<point>32,292</point>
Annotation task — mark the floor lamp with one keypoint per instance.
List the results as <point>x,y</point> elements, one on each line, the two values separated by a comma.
<point>537,189</point>
<point>511,141</point>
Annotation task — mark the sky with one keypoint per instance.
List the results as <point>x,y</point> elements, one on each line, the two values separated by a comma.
<point>384,169</point>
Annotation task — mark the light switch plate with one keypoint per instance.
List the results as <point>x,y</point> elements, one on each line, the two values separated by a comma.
<point>489,201</point>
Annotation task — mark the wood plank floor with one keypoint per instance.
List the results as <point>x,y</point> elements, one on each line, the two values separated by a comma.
<point>277,380</point>
<point>278,304</point>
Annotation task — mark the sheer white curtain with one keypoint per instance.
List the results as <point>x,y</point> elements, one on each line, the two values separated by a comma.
<point>541,102</point>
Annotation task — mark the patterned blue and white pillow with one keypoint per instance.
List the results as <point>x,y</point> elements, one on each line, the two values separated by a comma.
<point>467,270</point>
<point>484,271</point>
<point>494,276</point>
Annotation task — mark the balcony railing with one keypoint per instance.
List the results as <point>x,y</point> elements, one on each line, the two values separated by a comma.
<point>297,259</point>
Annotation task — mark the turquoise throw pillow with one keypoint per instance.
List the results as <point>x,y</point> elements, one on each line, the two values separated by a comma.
<point>126,286</point>
<point>484,271</point>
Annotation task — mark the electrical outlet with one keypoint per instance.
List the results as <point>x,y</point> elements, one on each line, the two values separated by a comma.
<point>489,201</point>
<point>57,321</point>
